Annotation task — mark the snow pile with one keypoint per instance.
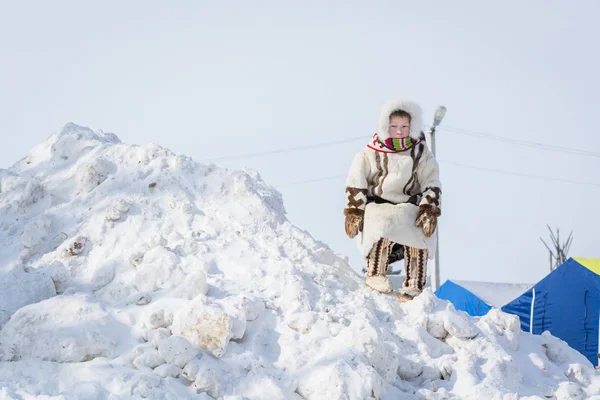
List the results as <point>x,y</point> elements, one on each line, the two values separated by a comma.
<point>131,272</point>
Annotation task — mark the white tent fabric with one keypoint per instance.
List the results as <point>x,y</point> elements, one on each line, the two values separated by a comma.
<point>493,293</point>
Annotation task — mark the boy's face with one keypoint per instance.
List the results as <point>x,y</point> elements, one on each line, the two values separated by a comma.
<point>399,127</point>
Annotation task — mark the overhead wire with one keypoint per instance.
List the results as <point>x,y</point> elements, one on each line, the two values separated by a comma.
<point>526,143</point>
<point>530,144</point>
<point>548,178</point>
<point>285,150</point>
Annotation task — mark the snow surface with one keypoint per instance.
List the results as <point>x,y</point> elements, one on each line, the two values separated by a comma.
<point>132,272</point>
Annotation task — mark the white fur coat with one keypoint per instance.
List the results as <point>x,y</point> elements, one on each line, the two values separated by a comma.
<point>399,182</point>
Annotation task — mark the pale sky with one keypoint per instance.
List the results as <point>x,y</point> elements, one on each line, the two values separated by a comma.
<point>223,79</point>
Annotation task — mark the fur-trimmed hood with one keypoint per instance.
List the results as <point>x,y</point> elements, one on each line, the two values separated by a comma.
<point>416,122</point>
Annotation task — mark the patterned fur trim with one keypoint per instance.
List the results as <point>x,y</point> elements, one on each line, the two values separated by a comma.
<point>415,262</point>
<point>416,153</point>
<point>378,260</point>
<point>382,172</point>
<point>431,195</point>
<point>356,198</point>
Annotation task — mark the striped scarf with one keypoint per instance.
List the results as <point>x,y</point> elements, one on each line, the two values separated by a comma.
<point>399,144</point>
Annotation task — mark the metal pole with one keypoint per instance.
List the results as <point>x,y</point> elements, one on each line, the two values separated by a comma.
<point>435,270</point>
<point>440,112</point>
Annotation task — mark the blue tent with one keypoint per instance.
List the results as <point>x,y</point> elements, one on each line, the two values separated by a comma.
<point>462,299</point>
<point>567,304</point>
<point>477,298</point>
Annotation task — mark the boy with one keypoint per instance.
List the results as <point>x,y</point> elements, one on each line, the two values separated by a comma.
<point>393,197</point>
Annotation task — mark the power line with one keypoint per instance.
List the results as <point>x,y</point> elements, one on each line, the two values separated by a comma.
<point>310,181</point>
<point>526,143</point>
<point>548,178</point>
<point>287,150</point>
<point>449,129</point>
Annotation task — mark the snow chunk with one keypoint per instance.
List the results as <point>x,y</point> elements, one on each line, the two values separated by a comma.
<point>353,381</point>
<point>435,325</point>
<point>569,391</point>
<point>19,288</point>
<point>302,322</point>
<point>159,269</point>
<point>177,350</point>
<point>253,308</point>
<point>193,285</point>
<point>157,317</point>
<point>235,307</point>
<point>57,272</point>
<point>458,324</point>
<point>156,336</point>
<point>145,385</point>
<point>167,370</point>
<point>141,299</point>
<point>380,352</point>
<point>205,325</point>
<point>21,192</point>
<point>258,386</point>
<point>149,359</point>
<point>91,174</point>
<point>581,375</point>
<point>559,352</point>
<point>209,379</point>
<point>496,322</point>
<point>190,371</point>
<point>35,234</point>
<point>116,211</point>
<point>87,390</point>
<point>76,247</point>
<point>63,329</point>
<point>408,369</point>
<point>503,321</point>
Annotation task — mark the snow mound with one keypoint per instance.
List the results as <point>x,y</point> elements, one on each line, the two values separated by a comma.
<point>132,272</point>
